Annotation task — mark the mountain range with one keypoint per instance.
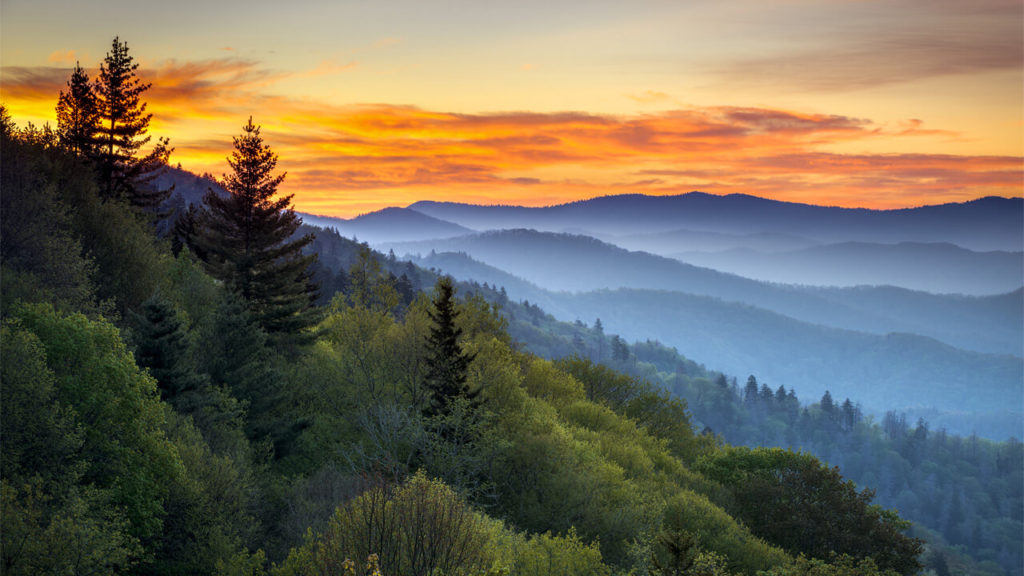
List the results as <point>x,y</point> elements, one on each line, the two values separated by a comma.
<point>963,390</point>
<point>887,346</point>
<point>985,224</point>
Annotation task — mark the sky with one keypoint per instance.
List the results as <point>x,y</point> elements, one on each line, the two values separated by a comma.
<point>857,103</point>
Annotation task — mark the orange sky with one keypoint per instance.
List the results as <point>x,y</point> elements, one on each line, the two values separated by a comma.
<point>851,103</point>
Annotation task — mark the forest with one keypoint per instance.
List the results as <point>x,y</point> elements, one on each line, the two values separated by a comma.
<point>219,389</point>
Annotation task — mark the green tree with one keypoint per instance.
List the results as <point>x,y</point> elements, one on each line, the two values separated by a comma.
<point>78,115</point>
<point>234,354</point>
<point>447,363</point>
<point>620,350</point>
<point>121,133</point>
<point>41,258</point>
<point>120,412</point>
<point>794,501</point>
<point>677,553</point>
<point>245,239</point>
<point>420,528</point>
<point>160,345</point>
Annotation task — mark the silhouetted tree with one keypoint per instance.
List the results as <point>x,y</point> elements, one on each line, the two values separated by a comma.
<point>78,115</point>
<point>121,133</point>
<point>245,240</point>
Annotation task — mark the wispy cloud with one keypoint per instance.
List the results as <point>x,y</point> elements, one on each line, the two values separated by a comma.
<point>343,159</point>
<point>861,46</point>
<point>650,97</point>
<point>327,68</point>
<point>62,57</point>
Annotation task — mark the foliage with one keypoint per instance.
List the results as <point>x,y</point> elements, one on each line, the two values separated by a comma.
<point>118,408</point>
<point>794,501</point>
<point>42,259</point>
<point>843,565</point>
<point>419,528</point>
<point>547,555</point>
<point>679,555</point>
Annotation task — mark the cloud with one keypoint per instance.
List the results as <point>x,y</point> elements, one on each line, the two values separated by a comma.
<point>32,91</point>
<point>327,68</point>
<point>62,57</point>
<point>388,41</point>
<point>340,157</point>
<point>649,97</point>
<point>858,46</point>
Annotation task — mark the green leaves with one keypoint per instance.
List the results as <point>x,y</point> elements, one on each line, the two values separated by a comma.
<point>124,446</point>
<point>794,501</point>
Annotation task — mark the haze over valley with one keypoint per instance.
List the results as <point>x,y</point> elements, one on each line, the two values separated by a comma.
<point>894,345</point>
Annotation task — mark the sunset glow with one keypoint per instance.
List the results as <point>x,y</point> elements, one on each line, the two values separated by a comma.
<point>841,105</point>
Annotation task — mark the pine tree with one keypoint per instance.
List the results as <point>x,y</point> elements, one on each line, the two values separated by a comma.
<point>121,133</point>
<point>159,338</point>
<point>78,115</point>
<point>827,404</point>
<point>447,363</point>
<point>750,391</point>
<point>245,240</point>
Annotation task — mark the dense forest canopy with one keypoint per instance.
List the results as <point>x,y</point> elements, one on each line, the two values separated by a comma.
<point>173,404</point>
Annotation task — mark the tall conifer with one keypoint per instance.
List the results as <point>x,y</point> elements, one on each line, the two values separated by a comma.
<point>245,239</point>
<point>447,363</point>
<point>121,133</point>
<point>78,115</point>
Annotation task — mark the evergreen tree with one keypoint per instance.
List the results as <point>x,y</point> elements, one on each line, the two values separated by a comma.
<point>620,351</point>
<point>184,230</point>
<point>447,363</point>
<point>121,133</point>
<point>245,240</point>
<point>750,392</point>
<point>827,404</point>
<point>780,395</point>
<point>161,346</point>
<point>78,115</point>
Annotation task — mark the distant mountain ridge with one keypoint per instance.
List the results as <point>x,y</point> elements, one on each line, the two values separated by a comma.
<point>885,370</point>
<point>530,262</point>
<point>990,223</point>
<point>389,225</point>
<point>934,267</point>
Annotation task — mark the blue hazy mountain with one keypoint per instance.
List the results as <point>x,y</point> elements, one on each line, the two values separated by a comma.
<point>990,223</point>
<point>963,390</point>
<point>932,267</point>
<point>389,225</point>
<point>675,241</point>
<point>565,262</point>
